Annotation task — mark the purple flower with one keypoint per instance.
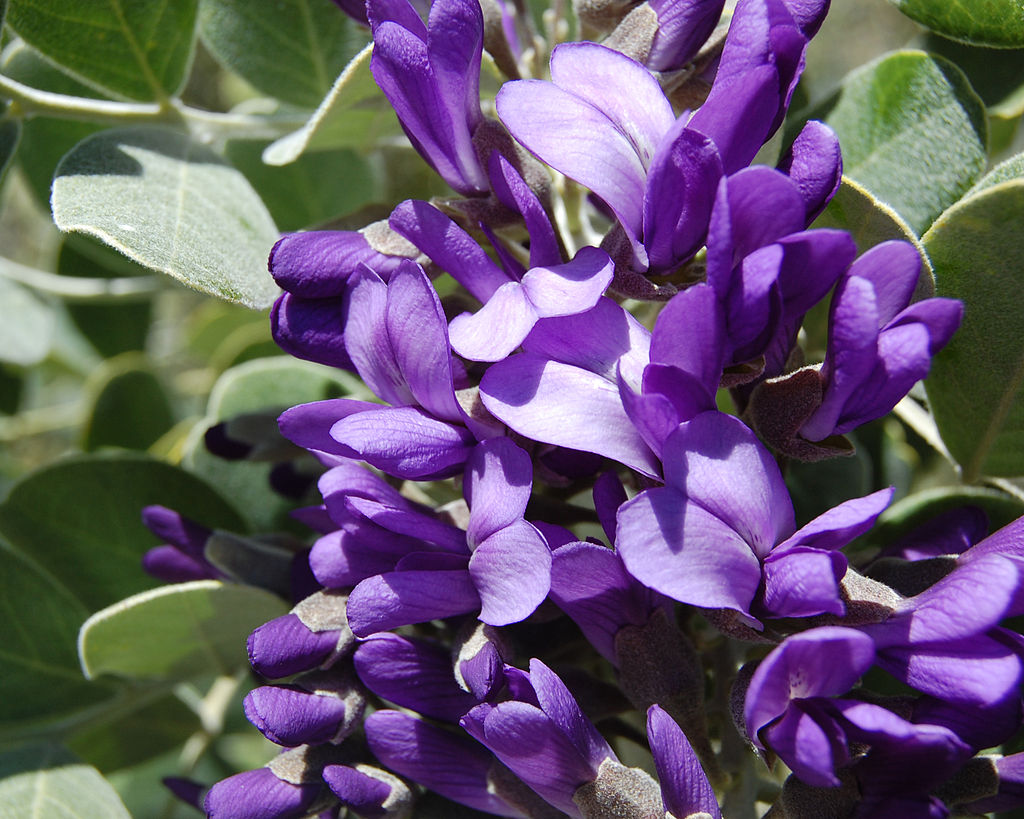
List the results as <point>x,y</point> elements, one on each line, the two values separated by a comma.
<point>683,26</point>
<point>431,75</point>
<point>181,557</point>
<point>880,344</point>
<point>543,737</point>
<point>368,791</point>
<point>448,763</point>
<point>684,785</point>
<point>314,709</point>
<point>723,525</point>
<point>260,794</point>
<point>314,634</point>
<point>504,569</point>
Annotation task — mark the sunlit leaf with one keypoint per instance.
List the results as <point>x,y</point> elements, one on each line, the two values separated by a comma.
<point>170,204</point>
<point>998,23</point>
<point>44,781</point>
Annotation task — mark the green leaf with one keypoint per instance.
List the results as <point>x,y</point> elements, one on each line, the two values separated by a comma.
<point>170,204</point>
<point>995,23</point>
<point>138,49</point>
<point>125,388</point>
<point>26,325</point>
<point>909,513</point>
<point>355,114</point>
<point>1008,171</point>
<point>289,49</point>
<point>110,328</point>
<point>997,76</point>
<point>177,631</point>
<point>44,781</point>
<point>296,195</point>
<point>141,735</point>
<point>975,383</point>
<point>40,676</point>
<point>80,519</point>
<point>871,222</point>
<point>913,133</point>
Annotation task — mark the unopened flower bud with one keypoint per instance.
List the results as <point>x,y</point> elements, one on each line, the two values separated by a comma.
<point>314,634</point>
<point>370,792</point>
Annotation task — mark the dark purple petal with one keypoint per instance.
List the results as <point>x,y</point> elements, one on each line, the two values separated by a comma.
<point>562,708</point>
<point>513,192</point>
<point>813,260</point>
<point>309,425</point>
<point>171,565</point>
<point>838,526</point>
<point>364,794</point>
<point>310,329</point>
<point>609,495</point>
<point>291,716</point>
<point>684,785</point>
<point>400,598</point>
<point>450,764</point>
<point>259,795</point>
<point>815,162</point>
<point>315,264</point>
<point>511,570</point>
<point>681,185</point>
<point>683,26</point>
<point>449,247</point>
<point>413,673</point>
<point>690,334</point>
<point>413,523</point>
<point>806,745</point>
<point>286,646</point>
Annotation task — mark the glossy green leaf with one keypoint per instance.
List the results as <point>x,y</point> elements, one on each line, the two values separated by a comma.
<point>39,671</point>
<point>110,328</point>
<point>913,133</point>
<point>976,385</point>
<point>170,204</point>
<point>289,49</point>
<point>44,781</point>
<point>354,114</point>
<point>138,49</point>
<point>296,195</point>
<point>177,631</point>
<point>26,324</point>
<point>80,519</point>
<point>995,23</point>
<point>130,407</point>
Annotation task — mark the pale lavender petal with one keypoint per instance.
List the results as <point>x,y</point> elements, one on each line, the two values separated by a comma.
<point>685,789</point>
<point>405,442</point>
<point>717,462</point>
<point>601,340</point>
<point>685,552</point>
<point>821,662</point>
<point>448,246</point>
<point>395,599</point>
<point>417,328</point>
<point>511,571</point>
<point>495,330</point>
<point>497,487</point>
<point>368,341</point>
<point>598,155</point>
<point>624,90</point>
<point>841,524</point>
<point>449,763</point>
<point>1007,541</point>
<point>414,674</point>
<point>802,582</point>
<point>573,287</point>
<point>681,185</point>
<point>559,404</point>
<point>815,162</point>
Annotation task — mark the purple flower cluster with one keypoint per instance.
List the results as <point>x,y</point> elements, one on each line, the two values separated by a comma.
<point>569,384</point>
